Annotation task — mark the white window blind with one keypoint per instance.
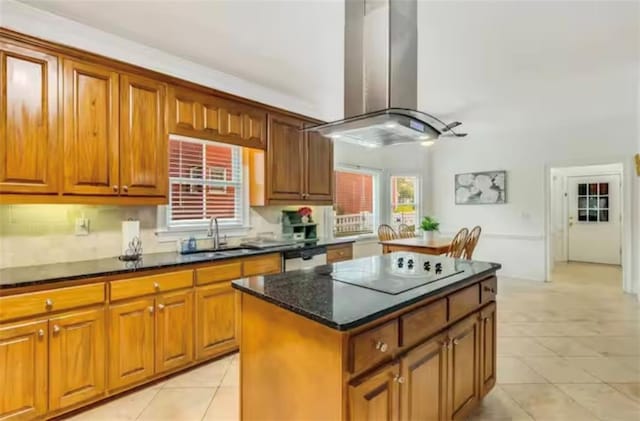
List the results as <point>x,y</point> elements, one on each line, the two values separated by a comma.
<point>205,181</point>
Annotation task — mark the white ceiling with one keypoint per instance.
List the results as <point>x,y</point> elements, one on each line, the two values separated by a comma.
<point>281,45</point>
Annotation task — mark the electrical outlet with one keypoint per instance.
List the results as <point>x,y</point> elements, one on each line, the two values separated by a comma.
<point>82,226</point>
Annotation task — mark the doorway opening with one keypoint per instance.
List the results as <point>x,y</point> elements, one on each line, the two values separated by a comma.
<point>585,233</point>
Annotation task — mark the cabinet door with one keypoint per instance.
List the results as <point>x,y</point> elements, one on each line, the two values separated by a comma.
<point>464,367</point>
<point>77,356</point>
<point>424,374</point>
<point>91,155</point>
<point>185,111</point>
<point>143,138</point>
<point>285,166</point>
<point>216,311</point>
<point>174,330</point>
<point>376,396</point>
<point>131,342</point>
<point>488,348</point>
<point>23,370</point>
<point>319,168</point>
<point>28,120</point>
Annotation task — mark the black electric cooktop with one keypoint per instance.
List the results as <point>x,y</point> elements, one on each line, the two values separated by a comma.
<point>398,274</point>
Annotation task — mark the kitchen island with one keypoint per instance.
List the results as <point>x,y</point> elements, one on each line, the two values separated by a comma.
<point>400,336</point>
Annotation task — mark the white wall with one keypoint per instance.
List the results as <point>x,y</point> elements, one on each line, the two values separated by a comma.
<point>537,85</point>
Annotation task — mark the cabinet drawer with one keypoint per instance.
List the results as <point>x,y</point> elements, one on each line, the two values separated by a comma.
<point>373,346</point>
<point>22,305</point>
<point>422,322</point>
<point>464,301</point>
<point>488,290</point>
<point>145,285</point>
<point>339,253</point>
<point>227,271</point>
<point>262,265</point>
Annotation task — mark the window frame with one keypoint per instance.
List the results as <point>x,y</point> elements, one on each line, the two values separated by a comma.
<point>376,196</point>
<point>167,227</point>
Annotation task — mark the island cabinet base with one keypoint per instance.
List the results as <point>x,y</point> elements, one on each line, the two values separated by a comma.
<point>432,360</point>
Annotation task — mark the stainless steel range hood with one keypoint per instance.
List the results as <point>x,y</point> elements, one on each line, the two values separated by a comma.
<point>381,78</point>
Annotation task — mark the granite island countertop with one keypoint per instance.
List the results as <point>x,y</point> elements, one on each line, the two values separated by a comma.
<point>15,277</point>
<point>315,294</point>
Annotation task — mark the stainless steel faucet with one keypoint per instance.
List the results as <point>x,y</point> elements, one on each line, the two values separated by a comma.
<point>216,234</point>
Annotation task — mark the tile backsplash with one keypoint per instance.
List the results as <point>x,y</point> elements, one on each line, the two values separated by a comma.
<point>41,234</point>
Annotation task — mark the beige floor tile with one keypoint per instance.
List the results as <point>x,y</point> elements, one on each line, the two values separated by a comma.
<point>225,405</point>
<point>184,404</point>
<point>558,370</point>
<point>209,375</point>
<point>631,390</point>
<point>603,401</point>
<point>631,362</point>
<point>513,370</point>
<point>547,402</point>
<point>232,377</point>
<point>518,347</point>
<point>498,406</point>
<point>606,369</point>
<point>613,345</point>
<point>567,347</point>
<point>126,408</point>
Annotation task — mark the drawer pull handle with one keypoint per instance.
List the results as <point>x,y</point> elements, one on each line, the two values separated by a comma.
<point>125,188</point>
<point>156,285</point>
<point>48,302</point>
<point>489,289</point>
<point>56,328</point>
<point>151,309</point>
<point>160,307</point>
<point>381,346</point>
<point>115,188</point>
<point>41,332</point>
<point>398,379</point>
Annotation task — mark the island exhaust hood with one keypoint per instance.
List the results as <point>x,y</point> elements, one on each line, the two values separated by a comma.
<point>381,78</point>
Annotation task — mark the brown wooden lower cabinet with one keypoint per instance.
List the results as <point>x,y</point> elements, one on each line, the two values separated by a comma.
<point>464,367</point>
<point>174,330</point>
<point>76,357</point>
<point>216,319</point>
<point>23,370</point>
<point>377,396</point>
<point>488,348</point>
<point>131,342</point>
<point>423,389</point>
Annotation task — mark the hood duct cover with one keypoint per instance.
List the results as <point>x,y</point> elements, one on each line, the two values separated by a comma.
<point>381,78</point>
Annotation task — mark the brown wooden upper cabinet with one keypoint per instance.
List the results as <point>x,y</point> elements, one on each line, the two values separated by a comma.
<point>91,131</point>
<point>143,138</point>
<point>196,114</point>
<point>297,167</point>
<point>28,120</point>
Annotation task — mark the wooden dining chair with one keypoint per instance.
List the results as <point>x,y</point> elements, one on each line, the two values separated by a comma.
<point>457,244</point>
<point>405,231</point>
<point>472,241</point>
<point>385,232</point>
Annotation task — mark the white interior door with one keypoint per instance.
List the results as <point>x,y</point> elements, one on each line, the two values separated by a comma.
<point>594,219</point>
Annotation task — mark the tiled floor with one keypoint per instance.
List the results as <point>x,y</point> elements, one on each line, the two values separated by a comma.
<point>567,350</point>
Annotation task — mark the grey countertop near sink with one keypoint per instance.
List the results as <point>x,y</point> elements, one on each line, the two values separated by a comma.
<point>33,275</point>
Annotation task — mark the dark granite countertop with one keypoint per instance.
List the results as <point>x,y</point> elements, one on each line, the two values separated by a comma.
<point>314,293</point>
<point>41,274</point>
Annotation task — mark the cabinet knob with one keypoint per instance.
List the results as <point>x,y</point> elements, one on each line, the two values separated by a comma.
<point>48,303</point>
<point>156,286</point>
<point>125,188</point>
<point>449,344</point>
<point>115,187</point>
<point>56,328</point>
<point>41,332</point>
<point>160,307</point>
<point>456,341</point>
<point>150,309</point>
<point>381,346</point>
<point>398,379</point>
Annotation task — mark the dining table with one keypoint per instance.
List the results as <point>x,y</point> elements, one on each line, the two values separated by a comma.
<point>417,245</point>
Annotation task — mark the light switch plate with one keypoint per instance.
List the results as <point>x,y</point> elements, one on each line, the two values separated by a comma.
<point>82,226</point>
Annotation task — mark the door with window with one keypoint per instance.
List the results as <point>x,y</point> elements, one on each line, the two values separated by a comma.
<point>404,202</point>
<point>594,225</point>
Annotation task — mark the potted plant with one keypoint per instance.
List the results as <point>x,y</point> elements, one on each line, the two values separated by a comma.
<point>429,225</point>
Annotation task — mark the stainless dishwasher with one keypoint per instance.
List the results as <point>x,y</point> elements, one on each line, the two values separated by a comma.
<point>304,258</point>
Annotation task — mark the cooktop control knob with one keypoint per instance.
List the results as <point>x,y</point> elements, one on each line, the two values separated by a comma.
<point>410,262</point>
<point>427,266</point>
<point>438,267</point>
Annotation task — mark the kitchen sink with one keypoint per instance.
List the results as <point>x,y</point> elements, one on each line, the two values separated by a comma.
<point>221,252</point>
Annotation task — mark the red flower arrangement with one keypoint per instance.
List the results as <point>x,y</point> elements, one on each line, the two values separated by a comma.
<point>305,211</point>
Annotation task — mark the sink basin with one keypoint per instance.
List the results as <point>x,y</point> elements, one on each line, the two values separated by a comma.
<point>223,252</point>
